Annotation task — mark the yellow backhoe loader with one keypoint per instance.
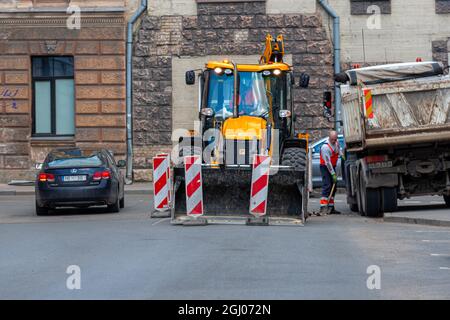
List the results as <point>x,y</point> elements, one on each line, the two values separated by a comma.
<point>246,109</point>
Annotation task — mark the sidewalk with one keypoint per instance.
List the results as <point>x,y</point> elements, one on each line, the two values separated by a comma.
<point>135,188</point>
<point>438,218</point>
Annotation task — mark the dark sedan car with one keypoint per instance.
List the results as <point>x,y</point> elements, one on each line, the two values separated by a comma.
<point>79,178</point>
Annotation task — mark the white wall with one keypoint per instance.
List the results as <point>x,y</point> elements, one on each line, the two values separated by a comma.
<point>172,7</point>
<point>291,6</point>
<point>405,34</point>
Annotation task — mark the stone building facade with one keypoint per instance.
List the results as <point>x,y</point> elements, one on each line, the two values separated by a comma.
<point>59,87</point>
<point>218,29</point>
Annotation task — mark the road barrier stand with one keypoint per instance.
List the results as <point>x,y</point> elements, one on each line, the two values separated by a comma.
<point>161,186</point>
<point>259,190</point>
<point>194,190</point>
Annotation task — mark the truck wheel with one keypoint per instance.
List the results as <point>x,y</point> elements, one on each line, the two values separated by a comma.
<point>389,198</point>
<point>447,200</point>
<point>359,202</point>
<point>370,200</point>
<point>294,157</point>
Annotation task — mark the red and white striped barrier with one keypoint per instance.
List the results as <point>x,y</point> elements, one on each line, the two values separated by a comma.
<point>193,182</point>
<point>161,183</point>
<point>169,173</point>
<point>260,185</point>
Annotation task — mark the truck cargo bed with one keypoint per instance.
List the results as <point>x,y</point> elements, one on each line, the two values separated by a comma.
<point>404,112</point>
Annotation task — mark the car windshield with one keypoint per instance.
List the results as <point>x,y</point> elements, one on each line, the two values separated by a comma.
<point>254,93</point>
<point>73,158</point>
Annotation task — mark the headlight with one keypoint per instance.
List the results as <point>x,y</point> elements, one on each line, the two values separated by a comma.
<point>228,72</point>
<point>208,112</point>
<point>266,73</point>
<point>218,70</point>
<point>276,72</point>
<point>285,113</point>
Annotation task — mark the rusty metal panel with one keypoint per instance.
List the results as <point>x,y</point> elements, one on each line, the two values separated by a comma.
<point>414,109</point>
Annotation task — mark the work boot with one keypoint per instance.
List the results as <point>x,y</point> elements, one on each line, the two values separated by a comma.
<point>334,211</point>
<point>323,211</point>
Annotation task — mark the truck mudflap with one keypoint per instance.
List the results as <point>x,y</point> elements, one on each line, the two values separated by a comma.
<point>226,196</point>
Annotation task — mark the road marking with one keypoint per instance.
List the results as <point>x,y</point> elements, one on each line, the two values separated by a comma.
<point>435,231</point>
<point>437,241</point>
<point>436,202</point>
<point>440,255</point>
<point>412,202</point>
<point>444,268</point>
<point>159,221</point>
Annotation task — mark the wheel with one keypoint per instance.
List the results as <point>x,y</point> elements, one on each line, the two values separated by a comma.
<point>447,200</point>
<point>294,157</point>
<point>370,200</point>
<point>122,202</point>
<point>354,207</point>
<point>359,203</point>
<point>115,207</point>
<point>41,211</point>
<point>389,198</point>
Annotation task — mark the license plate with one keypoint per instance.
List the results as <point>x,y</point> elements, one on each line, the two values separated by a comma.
<point>74,178</point>
<point>380,165</point>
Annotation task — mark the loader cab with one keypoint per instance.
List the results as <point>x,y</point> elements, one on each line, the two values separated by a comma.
<point>264,92</point>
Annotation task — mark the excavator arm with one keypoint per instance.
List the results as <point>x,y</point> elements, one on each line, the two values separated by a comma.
<point>274,50</point>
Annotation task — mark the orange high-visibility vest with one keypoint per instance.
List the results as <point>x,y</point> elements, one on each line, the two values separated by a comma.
<point>334,157</point>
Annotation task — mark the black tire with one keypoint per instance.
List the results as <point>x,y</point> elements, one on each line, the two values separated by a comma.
<point>115,207</point>
<point>389,198</point>
<point>370,200</point>
<point>447,200</point>
<point>354,207</point>
<point>294,157</point>
<point>41,211</point>
<point>122,202</point>
<point>359,203</point>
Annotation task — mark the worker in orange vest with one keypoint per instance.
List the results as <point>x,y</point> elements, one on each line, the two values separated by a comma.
<point>329,156</point>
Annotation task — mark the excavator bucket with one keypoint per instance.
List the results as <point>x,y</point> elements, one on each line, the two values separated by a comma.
<point>227,191</point>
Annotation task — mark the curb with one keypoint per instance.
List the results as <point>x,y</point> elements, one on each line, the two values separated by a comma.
<point>420,221</point>
<point>31,193</point>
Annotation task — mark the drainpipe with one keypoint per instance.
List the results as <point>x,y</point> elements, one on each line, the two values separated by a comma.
<point>337,59</point>
<point>136,15</point>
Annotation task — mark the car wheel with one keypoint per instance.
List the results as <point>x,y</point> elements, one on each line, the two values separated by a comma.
<point>122,202</point>
<point>447,200</point>
<point>354,207</point>
<point>41,211</point>
<point>115,207</point>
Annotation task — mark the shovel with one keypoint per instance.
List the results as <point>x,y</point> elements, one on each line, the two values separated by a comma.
<point>329,198</point>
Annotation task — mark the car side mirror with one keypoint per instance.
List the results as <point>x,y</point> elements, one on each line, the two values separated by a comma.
<point>121,164</point>
<point>190,77</point>
<point>304,80</point>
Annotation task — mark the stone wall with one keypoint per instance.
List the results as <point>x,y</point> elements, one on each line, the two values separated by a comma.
<point>441,51</point>
<point>222,29</point>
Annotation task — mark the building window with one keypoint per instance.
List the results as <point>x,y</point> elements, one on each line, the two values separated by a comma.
<point>363,7</point>
<point>53,96</point>
<point>442,6</point>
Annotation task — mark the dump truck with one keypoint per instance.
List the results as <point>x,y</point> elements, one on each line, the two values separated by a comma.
<point>245,110</point>
<point>396,123</point>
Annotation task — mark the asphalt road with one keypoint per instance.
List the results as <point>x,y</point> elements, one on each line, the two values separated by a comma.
<point>129,256</point>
